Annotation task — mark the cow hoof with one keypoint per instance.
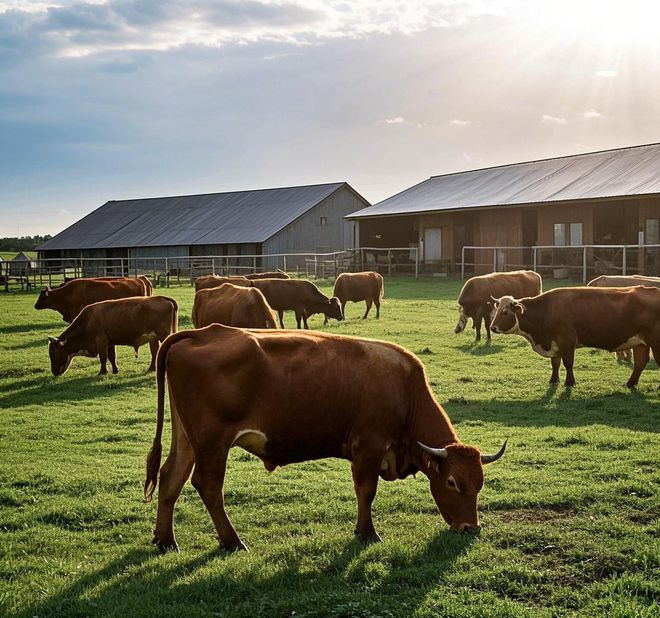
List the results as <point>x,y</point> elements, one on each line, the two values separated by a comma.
<point>569,384</point>
<point>553,381</point>
<point>165,548</point>
<point>368,539</point>
<point>230,549</point>
<point>631,385</point>
<point>115,371</point>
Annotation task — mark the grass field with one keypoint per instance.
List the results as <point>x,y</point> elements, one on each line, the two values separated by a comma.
<point>570,516</point>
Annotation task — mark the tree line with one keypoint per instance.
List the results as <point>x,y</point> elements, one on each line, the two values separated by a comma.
<point>24,243</point>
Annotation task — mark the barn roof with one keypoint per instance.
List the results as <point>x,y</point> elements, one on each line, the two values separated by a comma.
<point>21,256</point>
<point>608,173</point>
<point>208,219</point>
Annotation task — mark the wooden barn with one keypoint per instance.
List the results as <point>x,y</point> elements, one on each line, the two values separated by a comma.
<point>609,197</point>
<point>257,222</point>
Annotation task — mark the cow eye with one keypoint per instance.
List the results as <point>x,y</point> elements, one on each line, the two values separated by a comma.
<point>451,483</point>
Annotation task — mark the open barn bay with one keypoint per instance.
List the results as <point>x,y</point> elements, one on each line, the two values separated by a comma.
<point>570,516</point>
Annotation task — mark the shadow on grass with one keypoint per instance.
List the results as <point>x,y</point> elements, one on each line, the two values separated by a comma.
<point>30,328</point>
<point>633,410</point>
<point>41,342</point>
<point>142,582</point>
<point>49,389</point>
<point>477,348</point>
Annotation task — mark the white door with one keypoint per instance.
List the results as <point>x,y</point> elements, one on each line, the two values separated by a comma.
<point>432,244</point>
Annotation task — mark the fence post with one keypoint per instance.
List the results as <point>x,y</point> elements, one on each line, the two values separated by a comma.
<point>494,260</point>
<point>284,256</point>
<point>254,264</point>
<point>167,274</point>
<point>584,265</point>
<point>624,260</point>
<point>417,262</point>
<point>534,259</point>
<point>463,262</point>
<point>389,262</point>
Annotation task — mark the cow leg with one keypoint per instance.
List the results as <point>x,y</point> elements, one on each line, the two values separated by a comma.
<point>476,323</point>
<point>208,479</point>
<point>298,318</point>
<point>556,363</point>
<point>567,357</point>
<point>365,481</point>
<point>153,346</point>
<point>641,358</point>
<point>487,322</point>
<point>280,314</point>
<point>369,302</point>
<point>173,475</point>
<point>103,357</point>
<point>377,303</point>
<point>112,357</point>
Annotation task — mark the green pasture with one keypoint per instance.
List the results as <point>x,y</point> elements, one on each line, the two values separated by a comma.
<point>570,516</point>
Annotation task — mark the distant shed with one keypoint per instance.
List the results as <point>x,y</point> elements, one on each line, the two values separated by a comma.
<point>256,222</point>
<point>21,265</point>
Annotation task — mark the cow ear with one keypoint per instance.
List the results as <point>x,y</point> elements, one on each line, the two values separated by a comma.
<point>519,308</point>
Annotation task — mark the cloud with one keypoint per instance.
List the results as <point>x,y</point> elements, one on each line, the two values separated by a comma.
<point>548,119</point>
<point>458,122</point>
<point>400,120</point>
<point>64,211</point>
<point>607,73</point>
<point>85,27</point>
<point>592,113</point>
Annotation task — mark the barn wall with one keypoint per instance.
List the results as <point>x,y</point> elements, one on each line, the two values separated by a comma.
<point>158,252</point>
<point>549,214</point>
<point>306,234</point>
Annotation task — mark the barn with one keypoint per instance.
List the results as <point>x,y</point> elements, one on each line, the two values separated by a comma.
<point>576,211</point>
<point>239,223</point>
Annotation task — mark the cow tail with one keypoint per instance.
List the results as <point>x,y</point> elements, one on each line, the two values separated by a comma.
<point>271,320</point>
<point>155,454</point>
<point>175,315</point>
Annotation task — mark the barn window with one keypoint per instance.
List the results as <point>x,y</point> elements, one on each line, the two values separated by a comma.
<point>324,221</point>
<point>568,234</point>
<point>653,231</point>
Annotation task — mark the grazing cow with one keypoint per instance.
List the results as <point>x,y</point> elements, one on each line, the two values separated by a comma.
<point>276,274</point>
<point>557,322</point>
<point>232,305</point>
<point>620,281</point>
<point>298,295</point>
<point>231,387</point>
<point>207,282</point>
<point>149,288</point>
<point>476,298</point>
<point>99,327</point>
<point>356,287</point>
<point>70,298</point>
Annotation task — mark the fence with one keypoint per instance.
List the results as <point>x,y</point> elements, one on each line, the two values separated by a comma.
<point>165,271</point>
<point>581,262</point>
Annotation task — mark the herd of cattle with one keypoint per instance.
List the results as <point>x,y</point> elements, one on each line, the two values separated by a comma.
<point>289,396</point>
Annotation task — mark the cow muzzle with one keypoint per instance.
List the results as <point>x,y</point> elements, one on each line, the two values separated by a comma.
<point>466,528</point>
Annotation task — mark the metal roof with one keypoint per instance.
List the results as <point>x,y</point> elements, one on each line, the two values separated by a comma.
<point>209,219</point>
<point>608,173</point>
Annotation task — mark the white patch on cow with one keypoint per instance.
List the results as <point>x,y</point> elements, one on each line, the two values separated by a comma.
<point>252,440</point>
<point>553,352</point>
<point>462,320</point>
<point>631,343</point>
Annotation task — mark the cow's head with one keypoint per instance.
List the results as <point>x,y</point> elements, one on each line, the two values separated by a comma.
<point>43,302</point>
<point>462,319</point>
<point>332,309</point>
<point>506,312</point>
<point>60,358</point>
<point>456,476</point>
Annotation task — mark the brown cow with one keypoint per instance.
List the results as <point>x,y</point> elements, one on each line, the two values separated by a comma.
<point>620,281</point>
<point>99,327</point>
<point>298,295</point>
<point>207,282</point>
<point>149,288</point>
<point>231,387</point>
<point>356,287</point>
<point>557,322</point>
<point>476,298</point>
<point>276,274</point>
<point>232,305</point>
<point>69,299</point>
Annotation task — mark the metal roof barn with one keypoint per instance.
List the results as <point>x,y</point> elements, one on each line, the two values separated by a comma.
<point>630,171</point>
<point>210,219</point>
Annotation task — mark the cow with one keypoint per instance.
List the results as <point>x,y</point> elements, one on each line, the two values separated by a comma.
<point>149,288</point>
<point>276,274</point>
<point>476,298</point>
<point>558,321</point>
<point>620,281</point>
<point>70,298</point>
<point>356,287</point>
<point>232,305</point>
<point>99,327</point>
<point>299,295</point>
<point>233,387</point>
<point>213,281</point>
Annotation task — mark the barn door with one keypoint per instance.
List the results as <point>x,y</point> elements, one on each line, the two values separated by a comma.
<point>432,244</point>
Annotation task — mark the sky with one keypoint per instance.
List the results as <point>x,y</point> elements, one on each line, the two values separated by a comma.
<point>117,99</point>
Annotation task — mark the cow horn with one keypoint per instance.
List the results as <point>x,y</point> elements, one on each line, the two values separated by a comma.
<point>486,459</point>
<point>495,300</point>
<point>53,339</point>
<point>438,452</point>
